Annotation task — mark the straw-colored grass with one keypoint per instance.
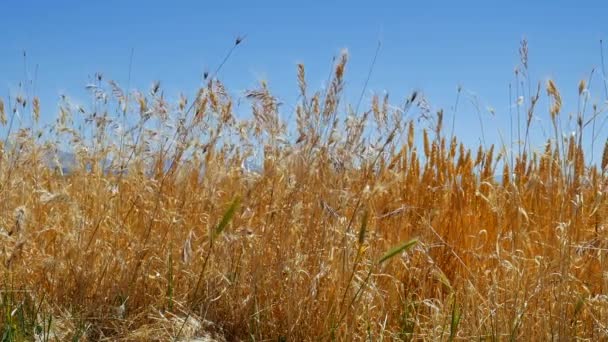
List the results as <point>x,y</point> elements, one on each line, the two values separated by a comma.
<point>355,225</point>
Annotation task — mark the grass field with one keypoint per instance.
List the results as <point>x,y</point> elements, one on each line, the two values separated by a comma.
<point>179,221</point>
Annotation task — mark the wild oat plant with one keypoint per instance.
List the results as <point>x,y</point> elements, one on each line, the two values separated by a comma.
<point>139,219</point>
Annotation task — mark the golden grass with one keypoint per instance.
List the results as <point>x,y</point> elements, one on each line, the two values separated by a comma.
<point>159,230</point>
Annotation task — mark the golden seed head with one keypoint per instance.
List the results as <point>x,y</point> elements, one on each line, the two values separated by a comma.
<point>36,109</point>
<point>557,99</point>
<point>2,113</point>
<point>605,156</point>
<point>581,87</point>
<point>302,79</point>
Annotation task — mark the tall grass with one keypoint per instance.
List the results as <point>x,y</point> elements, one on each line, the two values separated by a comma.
<point>360,225</point>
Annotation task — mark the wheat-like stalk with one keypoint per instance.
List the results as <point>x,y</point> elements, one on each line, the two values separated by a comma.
<point>160,219</point>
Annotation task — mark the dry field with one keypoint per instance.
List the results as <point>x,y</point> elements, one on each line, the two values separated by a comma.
<point>181,221</point>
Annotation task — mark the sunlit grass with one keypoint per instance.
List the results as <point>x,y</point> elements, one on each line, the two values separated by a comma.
<point>360,225</point>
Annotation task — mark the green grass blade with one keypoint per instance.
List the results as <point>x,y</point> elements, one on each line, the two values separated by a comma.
<point>398,249</point>
<point>579,306</point>
<point>455,321</point>
<point>226,218</point>
<point>363,228</point>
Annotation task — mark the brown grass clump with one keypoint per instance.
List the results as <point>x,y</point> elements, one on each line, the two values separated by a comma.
<point>158,228</point>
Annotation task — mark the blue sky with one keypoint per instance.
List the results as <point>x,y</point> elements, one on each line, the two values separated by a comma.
<point>430,46</point>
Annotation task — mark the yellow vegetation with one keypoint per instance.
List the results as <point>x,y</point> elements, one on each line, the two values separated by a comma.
<point>160,229</point>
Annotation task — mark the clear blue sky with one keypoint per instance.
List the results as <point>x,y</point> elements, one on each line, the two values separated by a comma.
<point>429,46</point>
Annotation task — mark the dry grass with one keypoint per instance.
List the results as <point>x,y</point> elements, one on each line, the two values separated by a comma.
<point>160,231</point>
